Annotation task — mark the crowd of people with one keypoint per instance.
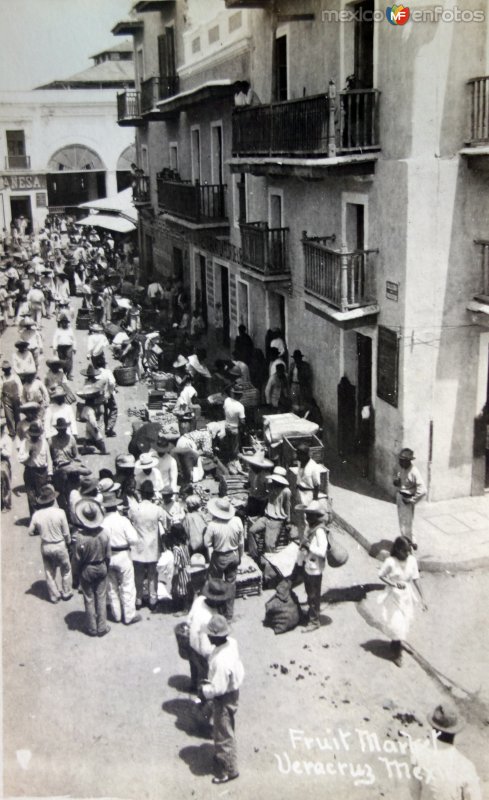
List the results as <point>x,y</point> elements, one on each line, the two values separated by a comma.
<point>143,529</point>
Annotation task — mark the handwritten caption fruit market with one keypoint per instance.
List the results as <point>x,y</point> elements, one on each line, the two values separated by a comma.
<point>355,755</point>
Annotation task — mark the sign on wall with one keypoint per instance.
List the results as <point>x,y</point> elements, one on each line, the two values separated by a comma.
<point>392,290</point>
<point>22,182</point>
<point>388,366</point>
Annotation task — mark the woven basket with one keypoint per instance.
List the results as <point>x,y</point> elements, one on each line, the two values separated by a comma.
<point>182,636</point>
<point>125,376</point>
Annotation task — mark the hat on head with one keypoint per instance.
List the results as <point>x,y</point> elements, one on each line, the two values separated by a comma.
<point>221,508</point>
<point>54,363</point>
<point>217,589</point>
<point>90,372</point>
<point>237,388</point>
<point>146,461</point>
<point>217,626</point>
<point>57,391</point>
<point>167,490</point>
<point>279,475</point>
<point>197,563</point>
<point>297,354</point>
<point>407,453</point>
<point>27,322</point>
<point>21,343</point>
<point>108,485</point>
<point>125,461</point>
<point>35,429</point>
<point>315,508</point>
<point>186,416</point>
<point>46,496</point>
<point>88,484</point>
<point>96,328</point>
<point>235,370</point>
<point>89,391</point>
<point>61,423</point>
<point>31,406</point>
<point>6,365</point>
<point>445,718</point>
<point>88,513</point>
<point>180,362</point>
<point>111,500</point>
<point>258,460</point>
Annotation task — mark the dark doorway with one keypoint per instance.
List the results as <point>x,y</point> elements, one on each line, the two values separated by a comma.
<point>364,44</point>
<point>21,207</point>
<point>203,289</point>
<point>281,79</point>
<point>178,264</point>
<point>225,305</point>
<point>73,188</point>
<point>364,387</point>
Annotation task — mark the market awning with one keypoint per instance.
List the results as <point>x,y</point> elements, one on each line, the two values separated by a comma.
<point>118,224</point>
<point>121,203</point>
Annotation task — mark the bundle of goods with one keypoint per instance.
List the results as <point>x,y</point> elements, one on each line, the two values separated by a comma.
<point>84,319</point>
<point>126,376</point>
<point>278,426</point>
<point>248,578</point>
<point>283,611</point>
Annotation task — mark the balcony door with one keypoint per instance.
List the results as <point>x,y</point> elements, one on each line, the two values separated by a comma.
<point>364,44</point>
<point>16,150</point>
<point>355,226</point>
<point>217,154</point>
<point>166,63</point>
<point>195,154</point>
<point>280,77</point>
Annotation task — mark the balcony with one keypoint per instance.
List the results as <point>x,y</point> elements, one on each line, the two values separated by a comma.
<point>201,204</point>
<point>17,162</point>
<point>478,140</point>
<point>140,190</point>
<point>264,249</point>
<point>318,131</point>
<point>343,279</point>
<point>129,109</point>
<point>248,3</point>
<point>155,89</point>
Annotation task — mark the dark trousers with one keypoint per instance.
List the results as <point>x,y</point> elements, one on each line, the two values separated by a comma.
<point>95,597</point>
<point>225,754</point>
<point>12,415</point>
<point>225,566</point>
<point>312,585</point>
<point>110,414</point>
<point>65,355</point>
<point>199,668</point>
<point>34,479</point>
<point>6,484</point>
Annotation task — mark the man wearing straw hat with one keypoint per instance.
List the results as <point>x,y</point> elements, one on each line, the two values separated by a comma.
<point>150,521</point>
<point>226,674</point>
<point>51,525</point>
<point>410,490</point>
<point>235,418</point>
<point>277,510</point>
<point>146,469</point>
<point>441,771</point>
<point>121,590</point>
<point>91,560</point>
<point>35,455</point>
<point>260,469</point>
<point>224,540</point>
<point>312,558</point>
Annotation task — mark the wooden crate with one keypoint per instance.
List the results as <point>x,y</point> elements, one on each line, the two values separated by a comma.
<point>290,444</point>
<point>248,583</point>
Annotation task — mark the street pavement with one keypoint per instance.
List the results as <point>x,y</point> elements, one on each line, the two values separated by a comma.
<point>321,714</point>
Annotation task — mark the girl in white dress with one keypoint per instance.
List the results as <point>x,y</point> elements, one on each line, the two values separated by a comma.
<point>400,574</point>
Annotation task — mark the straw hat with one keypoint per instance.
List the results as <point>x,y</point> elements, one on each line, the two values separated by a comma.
<point>279,475</point>
<point>96,328</point>
<point>125,461</point>
<point>111,500</point>
<point>107,485</point>
<point>217,626</point>
<point>61,423</point>
<point>180,362</point>
<point>407,453</point>
<point>217,589</point>
<point>57,391</point>
<point>46,496</point>
<point>258,460</point>
<point>146,461</point>
<point>315,508</point>
<point>31,406</point>
<point>445,718</point>
<point>197,563</point>
<point>221,508</point>
<point>88,513</point>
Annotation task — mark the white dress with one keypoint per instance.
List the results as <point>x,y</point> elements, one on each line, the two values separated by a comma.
<point>398,604</point>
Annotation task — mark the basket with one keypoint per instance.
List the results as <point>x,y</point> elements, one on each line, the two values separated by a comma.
<point>83,319</point>
<point>290,444</point>
<point>125,376</point>
<point>182,636</point>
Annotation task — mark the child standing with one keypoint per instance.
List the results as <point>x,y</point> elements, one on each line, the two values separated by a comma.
<point>181,577</point>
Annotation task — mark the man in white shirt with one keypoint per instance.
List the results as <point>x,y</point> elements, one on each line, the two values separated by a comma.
<point>411,489</point>
<point>97,341</point>
<point>121,590</point>
<point>146,469</point>
<point>167,464</point>
<point>235,418</point>
<point>312,558</point>
<point>226,674</point>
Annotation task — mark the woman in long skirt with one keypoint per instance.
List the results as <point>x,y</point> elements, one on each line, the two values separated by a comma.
<point>400,574</point>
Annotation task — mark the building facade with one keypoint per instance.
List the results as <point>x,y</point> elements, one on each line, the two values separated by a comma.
<point>340,195</point>
<point>60,146</point>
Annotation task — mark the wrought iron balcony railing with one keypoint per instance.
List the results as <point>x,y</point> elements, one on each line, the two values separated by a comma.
<point>344,279</point>
<point>17,162</point>
<point>157,88</point>
<point>264,249</point>
<point>321,125</point>
<point>140,190</point>
<point>196,202</point>
<point>479,110</point>
<point>128,105</point>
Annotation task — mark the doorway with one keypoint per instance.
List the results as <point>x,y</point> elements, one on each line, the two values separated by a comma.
<point>364,44</point>
<point>21,207</point>
<point>178,264</point>
<point>224,274</point>
<point>217,154</point>
<point>277,313</point>
<point>280,77</point>
<point>202,266</point>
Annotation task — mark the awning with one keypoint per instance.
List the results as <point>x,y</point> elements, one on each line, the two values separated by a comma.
<point>120,202</point>
<point>119,224</point>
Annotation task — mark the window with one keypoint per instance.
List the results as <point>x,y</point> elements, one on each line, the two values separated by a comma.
<point>174,156</point>
<point>144,159</point>
<point>275,211</point>
<point>196,45</point>
<point>234,22</point>
<point>213,34</point>
<point>280,78</point>
<point>240,214</point>
<point>364,45</point>
<point>140,64</point>
<point>15,143</point>
<point>216,153</point>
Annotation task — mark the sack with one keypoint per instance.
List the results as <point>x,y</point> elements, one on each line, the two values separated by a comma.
<point>336,554</point>
<point>283,609</point>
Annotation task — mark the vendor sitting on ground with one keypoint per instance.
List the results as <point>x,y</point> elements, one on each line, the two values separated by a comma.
<point>260,469</point>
